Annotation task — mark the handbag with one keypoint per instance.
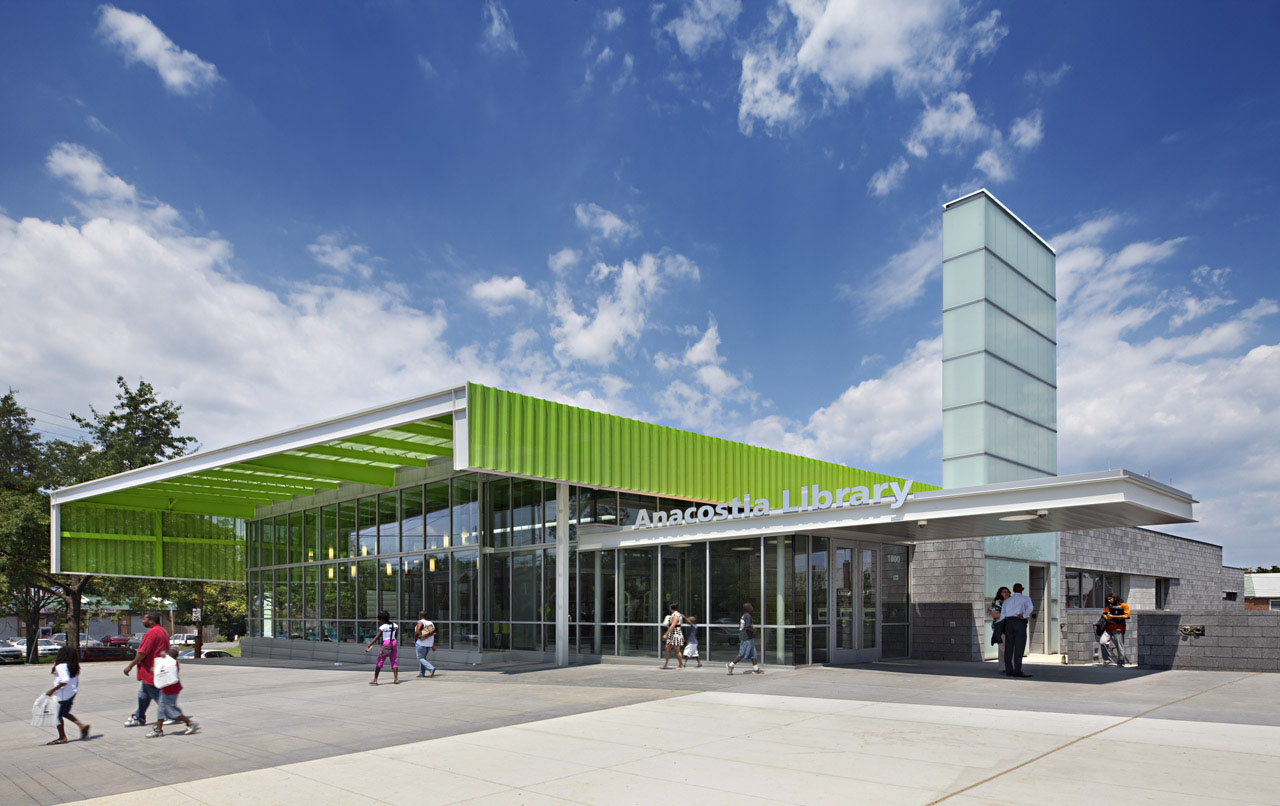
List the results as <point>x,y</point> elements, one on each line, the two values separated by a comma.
<point>165,671</point>
<point>44,714</point>
<point>997,632</point>
<point>1100,626</point>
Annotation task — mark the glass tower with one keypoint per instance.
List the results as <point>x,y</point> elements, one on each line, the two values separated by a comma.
<point>999,346</point>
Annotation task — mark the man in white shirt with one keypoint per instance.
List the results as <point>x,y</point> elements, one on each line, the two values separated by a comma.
<point>1014,614</point>
<point>424,640</point>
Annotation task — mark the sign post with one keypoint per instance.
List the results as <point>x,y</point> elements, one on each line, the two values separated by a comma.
<point>196,613</point>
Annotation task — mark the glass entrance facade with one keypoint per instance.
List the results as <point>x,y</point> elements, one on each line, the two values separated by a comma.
<point>478,555</point>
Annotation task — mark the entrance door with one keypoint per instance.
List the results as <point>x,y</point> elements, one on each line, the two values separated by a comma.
<point>1036,579</point>
<point>855,602</point>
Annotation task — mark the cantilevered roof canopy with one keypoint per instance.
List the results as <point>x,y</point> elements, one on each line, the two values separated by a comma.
<point>1051,504</point>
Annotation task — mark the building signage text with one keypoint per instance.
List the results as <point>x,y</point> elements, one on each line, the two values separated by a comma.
<point>812,497</point>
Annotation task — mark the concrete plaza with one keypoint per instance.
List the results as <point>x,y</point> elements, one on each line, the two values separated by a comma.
<point>908,732</point>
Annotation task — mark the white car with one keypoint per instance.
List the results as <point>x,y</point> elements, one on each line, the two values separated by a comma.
<point>182,639</point>
<point>11,652</point>
<point>45,646</point>
<point>190,654</point>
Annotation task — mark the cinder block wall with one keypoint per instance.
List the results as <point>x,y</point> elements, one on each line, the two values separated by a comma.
<point>1232,641</point>
<point>947,615</point>
<point>1196,566</point>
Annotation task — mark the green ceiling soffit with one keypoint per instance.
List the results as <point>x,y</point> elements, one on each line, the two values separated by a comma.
<point>381,459</point>
<point>512,433</point>
<point>427,428</point>
<point>325,469</point>
<point>265,476</point>
<point>405,445</point>
<point>138,500</point>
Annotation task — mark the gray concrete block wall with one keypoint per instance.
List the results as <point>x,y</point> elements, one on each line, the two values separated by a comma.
<point>947,610</point>
<point>1232,641</point>
<point>1196,566</point>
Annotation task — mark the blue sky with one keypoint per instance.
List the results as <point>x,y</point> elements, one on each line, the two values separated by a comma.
<point>716,215</point>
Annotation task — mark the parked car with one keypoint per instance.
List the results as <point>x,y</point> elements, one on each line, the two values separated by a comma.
<point>60,638</point>
<point>190,654</point>
<point>90,654</point>
<point>115,640</point>
<point>45,646</point>
<point>11,652</point>
<point>182,639</point>
<point>135,640</point>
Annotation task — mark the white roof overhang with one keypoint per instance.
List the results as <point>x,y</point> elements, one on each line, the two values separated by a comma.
<point>1057,503</point>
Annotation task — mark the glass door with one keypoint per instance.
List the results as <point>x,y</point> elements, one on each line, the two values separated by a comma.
<point>855,602</point>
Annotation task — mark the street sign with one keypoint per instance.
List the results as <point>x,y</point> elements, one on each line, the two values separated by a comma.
<point>195,615</point>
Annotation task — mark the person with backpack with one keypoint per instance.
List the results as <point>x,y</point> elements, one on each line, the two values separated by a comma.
<point>66,675</point>
<point>424,640</point>
<point>746,640</point>
<point>388,635</point>
<point>1111,640</point>
<point>169,704</point>
<point>674,636</point>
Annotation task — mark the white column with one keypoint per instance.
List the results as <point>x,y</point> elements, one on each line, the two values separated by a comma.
<point>562,574</point>
<point>55,539</point>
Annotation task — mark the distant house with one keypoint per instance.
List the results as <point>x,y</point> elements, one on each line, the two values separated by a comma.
<point>1262,591</point>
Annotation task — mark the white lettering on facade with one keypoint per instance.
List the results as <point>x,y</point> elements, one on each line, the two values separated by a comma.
<point>812,497</point>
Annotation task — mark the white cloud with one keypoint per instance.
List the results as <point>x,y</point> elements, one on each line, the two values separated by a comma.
<point>604,223</point>
<point>601,59</point>
<point>993,164</point>
<point>560,262</point>
<point>887,179</point>
<point>614,320</point>
<point>428,69</point>
<point>948,125</point>
<point>499,295</point>
<point>625,76</point>
<point>1029,131</point>
<point>703,23</point>
<point>86,173</point>
<point>332,250</point>
<point>900,281</point>
<point>141,41</point>
<point>499,36</point>
<point>1044,79</point>
<point>767,90</point>
<point>613,19</point>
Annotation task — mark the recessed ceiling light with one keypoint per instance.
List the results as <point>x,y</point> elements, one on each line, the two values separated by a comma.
<point>1018,518</point>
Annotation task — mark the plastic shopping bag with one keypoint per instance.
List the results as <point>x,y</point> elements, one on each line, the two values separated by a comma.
<point>44,714</point>
<point>165,671</point>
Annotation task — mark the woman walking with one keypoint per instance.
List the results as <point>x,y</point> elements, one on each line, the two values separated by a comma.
<point>66,676</point>
<point>388,634</point>
<point>674,637</point>
<point>997,626</point>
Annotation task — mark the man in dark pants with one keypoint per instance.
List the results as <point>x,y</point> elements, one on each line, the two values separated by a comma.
<point>1017,609</point>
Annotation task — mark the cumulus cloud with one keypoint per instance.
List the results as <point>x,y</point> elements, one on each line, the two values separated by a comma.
<point>332,250</point>
<point>887,179</point>
<point>1027,132</point>
<point>767,90</point>
<point>604,223</point>
<point>951,123</point>
<point>141,42</point>
<point>560,262</point>
<point>500,295</point>
<point>702,24</point>
<point>499,36</point>
<point>612,19</point>
<point>614,319</point>
<point>699,396</point>
<point>84,170</point>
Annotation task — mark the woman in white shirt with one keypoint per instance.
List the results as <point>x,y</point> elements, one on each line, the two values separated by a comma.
<point>387,634</point>
<point>66,675</point>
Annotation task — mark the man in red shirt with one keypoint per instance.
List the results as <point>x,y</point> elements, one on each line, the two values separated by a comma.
<point>155,642</point>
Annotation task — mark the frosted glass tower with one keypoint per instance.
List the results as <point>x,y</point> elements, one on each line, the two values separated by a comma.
<point>999,346</point>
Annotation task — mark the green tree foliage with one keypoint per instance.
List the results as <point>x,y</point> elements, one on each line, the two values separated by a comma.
<point>1274,569</point>
<point>139,430</point>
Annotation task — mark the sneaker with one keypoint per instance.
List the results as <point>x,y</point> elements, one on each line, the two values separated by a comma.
<point>134,722</point>
<point>155,733</point>
<point>192,728</point>
<point>433,673</point>
<point>729,666</point>
<point>758,670</point>
<point>420,674</point>
<point>171,722</point>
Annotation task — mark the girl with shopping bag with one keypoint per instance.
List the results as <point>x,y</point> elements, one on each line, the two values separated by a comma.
<point>166,676</point>
<point>66,675</point>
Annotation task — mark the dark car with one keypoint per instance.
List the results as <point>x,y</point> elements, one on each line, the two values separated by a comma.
<point>90,654</point>
<point>115,640</point>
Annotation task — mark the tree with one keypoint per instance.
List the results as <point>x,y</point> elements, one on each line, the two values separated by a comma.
<point>19,446</point>
<point>24,550</point>
<point>1274,569</point>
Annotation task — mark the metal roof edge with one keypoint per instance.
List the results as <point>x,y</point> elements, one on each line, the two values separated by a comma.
<point>1007,211</point>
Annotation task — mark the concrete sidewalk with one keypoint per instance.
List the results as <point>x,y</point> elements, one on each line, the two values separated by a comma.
<point>909,732</point>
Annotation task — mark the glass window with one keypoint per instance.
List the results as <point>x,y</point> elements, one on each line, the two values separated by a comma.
<point>348,537</point>
<point>779,606</point>
<point>526,582</point>
<point>466,511</point>
<point>311,534</point>
<point>435,502</point>
<point>526,512</point>
<point>366,593</point>
<point>547,612</point>
<point>684,579</point>
<point>389,585</point>
<point>606,507</point>
<point>328,533</point>
<point>498,591</point>
<point>639,575</point>
<point>629,507</point>
<point>346,578</point>
<point>735,580</point>
<point>328,592</point>
<point>389,523</point>
<point>436,585</point>
<point>549,512</point>
<point>464,586</point>
<point>367,526</point>
<point>498,505</point>
<point>1073,589</point>
<point>411,521</point>
<point>597,601</point>
<point>310,597</point>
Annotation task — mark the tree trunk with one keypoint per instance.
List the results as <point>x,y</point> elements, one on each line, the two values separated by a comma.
<point>76,611</point>
<point>33,638</point>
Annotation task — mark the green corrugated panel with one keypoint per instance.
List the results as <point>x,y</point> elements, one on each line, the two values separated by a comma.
<point>109,540</point>
<point>513,433</point>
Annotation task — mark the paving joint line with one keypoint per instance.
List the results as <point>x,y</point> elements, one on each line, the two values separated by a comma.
<point>1079,739</point>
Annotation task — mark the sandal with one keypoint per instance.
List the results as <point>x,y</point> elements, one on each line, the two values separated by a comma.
<point>373,682</point>
<point>84,732</point>
<point>57,741</point>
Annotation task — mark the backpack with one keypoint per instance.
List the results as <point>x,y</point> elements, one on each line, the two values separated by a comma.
<point>1100,626</point>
